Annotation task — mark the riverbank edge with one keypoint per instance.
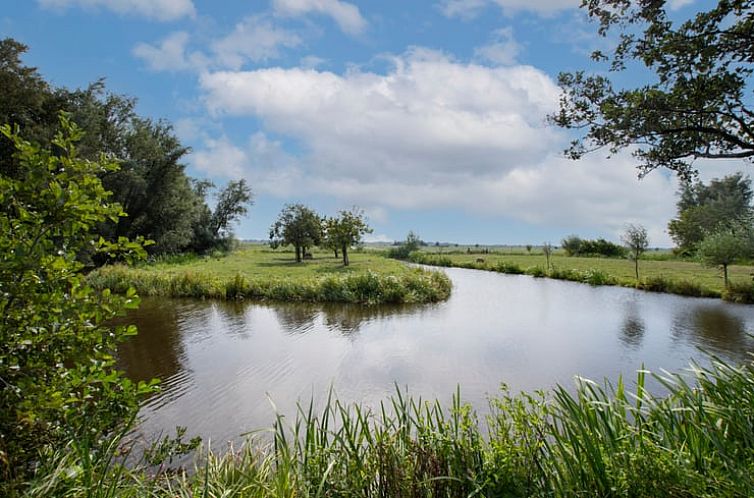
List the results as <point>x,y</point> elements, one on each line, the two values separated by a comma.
<point>603,440</point>
<point>417,286</point>
<point>735,293</point>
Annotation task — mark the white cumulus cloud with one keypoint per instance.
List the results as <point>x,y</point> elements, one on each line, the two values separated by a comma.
<point>503,49</point>
<point>432,133</point>
<point>161,10</point>
<point>256,39</point>
<point>345,14</point>
<point>468,9</point>
<point>170,54</point>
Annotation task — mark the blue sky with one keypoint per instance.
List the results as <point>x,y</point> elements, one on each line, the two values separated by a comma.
<point>430,115</point>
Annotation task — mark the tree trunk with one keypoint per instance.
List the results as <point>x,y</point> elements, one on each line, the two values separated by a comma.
<point>345,255</point>
<point>336,252</point>
<point>636,266</point>
<point>725,275</point>
<point>298,253</point>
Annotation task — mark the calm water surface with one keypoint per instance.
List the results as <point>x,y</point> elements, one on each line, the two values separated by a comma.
<point>223,365</point>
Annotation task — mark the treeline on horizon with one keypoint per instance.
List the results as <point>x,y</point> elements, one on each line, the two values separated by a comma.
<point>163,204</point>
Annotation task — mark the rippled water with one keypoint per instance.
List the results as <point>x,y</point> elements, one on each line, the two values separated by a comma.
<point>223,365</point>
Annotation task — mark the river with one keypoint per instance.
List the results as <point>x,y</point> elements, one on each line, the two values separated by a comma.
<point>226,367</point>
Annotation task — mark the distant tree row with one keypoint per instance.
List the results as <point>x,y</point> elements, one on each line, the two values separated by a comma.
<point>302,228</point>
<point>162,202</point>
<point>574,245</point>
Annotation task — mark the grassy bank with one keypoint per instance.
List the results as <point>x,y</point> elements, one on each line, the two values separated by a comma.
<point>657,274</point>
<point>698,440</point>
<point>255,272</point>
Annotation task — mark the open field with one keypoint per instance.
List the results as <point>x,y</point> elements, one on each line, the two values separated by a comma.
<point>257,272</point>
<point>657,272</point>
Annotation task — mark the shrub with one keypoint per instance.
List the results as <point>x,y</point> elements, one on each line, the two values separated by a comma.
<point>739,292</point>
<point>511,268</point>
<point>536,271</point>
<point>57,366</point>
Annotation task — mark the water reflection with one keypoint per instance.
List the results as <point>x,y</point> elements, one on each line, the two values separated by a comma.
<point>716,328</point>
<point>157,350</point>
<point>221,362</point>
<point>632,331</point>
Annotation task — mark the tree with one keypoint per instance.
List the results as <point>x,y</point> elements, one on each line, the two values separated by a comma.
<point>232,203</point>
<point>703,209</point>
<point>547,251</point>
<point>150,184</point>
<point>572,245</point>
<point>298,226</point>
<point>723,248</point>
<point>57,353</point>
<point>636,240</point>
<point>699,104</point>
<point>346,230</point>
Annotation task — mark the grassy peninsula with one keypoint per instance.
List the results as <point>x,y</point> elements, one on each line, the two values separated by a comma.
<point>258,272</point>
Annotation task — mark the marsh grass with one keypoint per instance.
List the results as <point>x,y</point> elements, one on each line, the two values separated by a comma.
<point>366,287</point>
<point>594,440</point>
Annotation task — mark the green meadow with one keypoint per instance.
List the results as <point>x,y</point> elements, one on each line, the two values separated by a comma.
<point>257,272</point>
<point>658,270</point>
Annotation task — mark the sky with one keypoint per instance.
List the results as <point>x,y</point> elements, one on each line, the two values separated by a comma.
<point>429,115</point>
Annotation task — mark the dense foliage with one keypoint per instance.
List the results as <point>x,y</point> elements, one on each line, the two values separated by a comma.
<point>576,246</point>
<point>345,231</point>
<point>163,203</point>
<point>703,209</point>
<point>298,226</point>
<point>698,105</point>
<point>59,382</point>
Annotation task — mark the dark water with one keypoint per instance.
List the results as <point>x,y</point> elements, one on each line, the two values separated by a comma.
<point>223,365</point>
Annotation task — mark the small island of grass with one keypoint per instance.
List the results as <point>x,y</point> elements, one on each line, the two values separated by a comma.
<point>257,272</point>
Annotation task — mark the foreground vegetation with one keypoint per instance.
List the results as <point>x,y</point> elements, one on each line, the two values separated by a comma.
<point>698,440</point>
<point>660,272</point>
<point>260,273</point>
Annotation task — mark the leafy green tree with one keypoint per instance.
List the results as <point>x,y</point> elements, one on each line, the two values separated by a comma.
<point>723,248</point>
<point>151,183</point>
<point>572,245</point>
<point>703,209</point>
<point>697,106</point>
<point>232,203</point>
<point>636,240</point>
<point>57,367</point>
<point>298,226</point>
<point>346,230</point>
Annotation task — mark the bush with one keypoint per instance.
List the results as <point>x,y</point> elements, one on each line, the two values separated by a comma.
<point>739,292</point>
<point>576,246</point>
<point>57,355</point>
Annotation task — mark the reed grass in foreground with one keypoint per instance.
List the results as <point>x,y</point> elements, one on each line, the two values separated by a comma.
<point>255,273</point>
<point>698,440</point>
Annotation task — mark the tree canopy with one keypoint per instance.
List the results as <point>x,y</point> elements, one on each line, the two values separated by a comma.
<point>703,209</point>
<point>57,353</point>
<point>346,230</point>
<point>699,105</point>
<point>162,202</point>
<point>298,226</point>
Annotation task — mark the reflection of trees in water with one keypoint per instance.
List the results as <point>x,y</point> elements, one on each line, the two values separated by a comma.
<point>345,319</point>
<point>632,331</point>
<point>155,352</point>
<point>715,328</point>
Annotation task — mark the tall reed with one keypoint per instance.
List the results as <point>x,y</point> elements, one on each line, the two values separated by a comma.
<point>595,440</point>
